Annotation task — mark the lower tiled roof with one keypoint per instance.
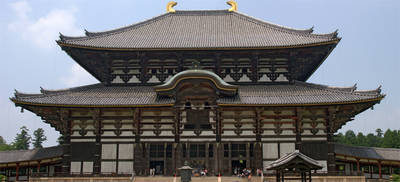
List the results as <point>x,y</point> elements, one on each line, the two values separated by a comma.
<point>298,93</point>
<point>389,154</point>
<point>30,155</point>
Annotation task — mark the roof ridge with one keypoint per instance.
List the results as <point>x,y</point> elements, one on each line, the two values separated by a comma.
<point>44,92</point>
<point>333,89</point>
<point>301,32</point>
<point>117,30</point>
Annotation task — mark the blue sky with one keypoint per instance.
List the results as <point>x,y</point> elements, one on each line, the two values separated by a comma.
<point>369,53</point>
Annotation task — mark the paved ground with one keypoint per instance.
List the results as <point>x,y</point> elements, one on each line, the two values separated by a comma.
<point>197,179</point>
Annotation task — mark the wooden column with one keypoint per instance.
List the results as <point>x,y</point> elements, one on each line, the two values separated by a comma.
<point>298,125</point>
<point>258,130</point>
<point>38,167</point>
<point>380,169</point>
<point>66,145</point>
<point>136,118</point>
<point>177,125</point>
<point>358,165</point>
<point>329,137</point>
<point>96,115</point>
<point>218,124</point>
<point>17,172</point>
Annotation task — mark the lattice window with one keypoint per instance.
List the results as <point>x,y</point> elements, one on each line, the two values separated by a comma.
<point>157,150</point>
<point>238,150</point>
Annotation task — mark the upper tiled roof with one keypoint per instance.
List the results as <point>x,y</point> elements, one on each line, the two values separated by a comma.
<point>299,93</point>
<point>30,155</point>
<point>199,30</point>
<point>389,154</point>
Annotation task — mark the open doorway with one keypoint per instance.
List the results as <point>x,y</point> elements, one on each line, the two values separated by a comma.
<point>158,166</point>
<point>238,166</point>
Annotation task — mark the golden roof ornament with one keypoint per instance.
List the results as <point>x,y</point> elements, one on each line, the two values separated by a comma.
<point>233,5</point>
<point>170,5</point>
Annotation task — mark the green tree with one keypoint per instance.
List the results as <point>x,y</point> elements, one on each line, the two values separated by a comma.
<point>379,132</point>
<point>350,137</point>
<point>22,140</point>
<point>60,139</point>
<point>2,141</point>
<point>372,140</point>
<point>38,138</point>
<point>361,140</point>
<point>4,146</point>
<point>389,139</point>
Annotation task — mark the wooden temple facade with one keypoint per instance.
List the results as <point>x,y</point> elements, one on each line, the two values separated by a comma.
<point>218,89</point>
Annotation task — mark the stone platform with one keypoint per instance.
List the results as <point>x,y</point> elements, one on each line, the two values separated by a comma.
<point>194,179</point>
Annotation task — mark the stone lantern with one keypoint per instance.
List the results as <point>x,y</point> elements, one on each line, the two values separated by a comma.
<point>186,172</point>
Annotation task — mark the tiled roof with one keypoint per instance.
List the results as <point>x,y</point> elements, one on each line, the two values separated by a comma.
<point>298,93</point>
<point>30,155</point>
<point>199,30</point>
<point>96,95</point>
<point>288,158</point>
<point>389,154</point>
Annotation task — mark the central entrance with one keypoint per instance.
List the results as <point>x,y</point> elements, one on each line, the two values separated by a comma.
<point>158,166</point>
<point>238,166</point>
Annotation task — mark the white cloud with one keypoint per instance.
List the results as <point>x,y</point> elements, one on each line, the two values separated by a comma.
<point>78,76</point>
<point>43,31</point>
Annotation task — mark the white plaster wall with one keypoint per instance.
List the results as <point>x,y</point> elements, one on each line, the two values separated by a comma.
<point>125,167</point>
<point>108,151</point>
<point>270,150</point>
<point>108,133</point>
<point>88,167</point>
<point>127,133</point>
<point>281,78</point>
<point>228,78</point>
<point>245,79</point>
<point>125,151</point>
<point>286,148</point>
<point>108,167</point>
<point>75,167</point>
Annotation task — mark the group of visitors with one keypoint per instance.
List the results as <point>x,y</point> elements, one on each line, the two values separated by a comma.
<point>152,171</point>
<point>203,172</point>
<point>241,173</point>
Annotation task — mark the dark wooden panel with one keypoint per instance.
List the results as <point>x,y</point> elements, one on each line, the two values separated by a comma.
<point>317,150</point>
<point>83,151</point>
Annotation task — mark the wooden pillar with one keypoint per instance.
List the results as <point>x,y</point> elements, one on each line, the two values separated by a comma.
<point>66,145</point>
<point>283,175</point>
<point>278,176</point>
<point>331,144</point>
<point>380,169</point>
<point>17,172</point>
<point>258,112</point>
<point>309,175</point>
<point>177,125</point>
<point>218,124</point>
<point>38,167</point>
<point>358,165</point>
<point>96,115</point>
<point>298,119</point>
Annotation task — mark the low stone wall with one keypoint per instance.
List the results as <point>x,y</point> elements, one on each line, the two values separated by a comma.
<point>194,179</point>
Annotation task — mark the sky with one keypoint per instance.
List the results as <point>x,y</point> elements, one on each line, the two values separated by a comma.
<point>368,54</point>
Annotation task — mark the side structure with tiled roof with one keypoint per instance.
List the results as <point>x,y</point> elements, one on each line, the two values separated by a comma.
<point>208,87</point>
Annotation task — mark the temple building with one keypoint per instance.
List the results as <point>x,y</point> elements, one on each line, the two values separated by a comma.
<point>217,88</point>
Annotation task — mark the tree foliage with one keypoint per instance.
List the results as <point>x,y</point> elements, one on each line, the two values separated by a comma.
<point>38,138</point>
<point>387,139</point>
<point>22,140</point>
<point>4,146</point>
